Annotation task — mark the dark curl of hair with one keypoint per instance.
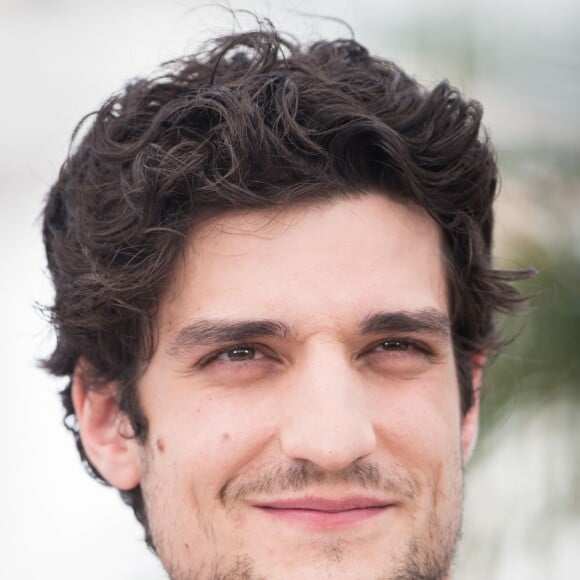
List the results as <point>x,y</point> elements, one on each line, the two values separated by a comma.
<point>256,120</point>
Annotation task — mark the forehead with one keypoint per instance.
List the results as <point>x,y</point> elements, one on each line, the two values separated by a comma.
<point>326,262</point>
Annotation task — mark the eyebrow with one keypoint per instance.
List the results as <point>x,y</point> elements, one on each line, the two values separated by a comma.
<point>426,320</point>
<point>208,332</point>
<point>216,332</point>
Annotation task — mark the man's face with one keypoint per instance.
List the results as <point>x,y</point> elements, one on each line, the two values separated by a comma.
<point>303,404</point>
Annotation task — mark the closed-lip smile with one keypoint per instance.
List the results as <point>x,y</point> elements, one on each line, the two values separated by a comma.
<point>324,512</point>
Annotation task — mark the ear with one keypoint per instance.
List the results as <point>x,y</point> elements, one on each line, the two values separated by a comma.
<point>105,431</point>
<point>470,422</point>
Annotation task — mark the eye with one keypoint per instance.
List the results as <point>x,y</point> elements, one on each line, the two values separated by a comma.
<point>239,354</point>
<point>403,348</point>
<point>395,345</point>
<point>402,357</point>
<point>238,363</point>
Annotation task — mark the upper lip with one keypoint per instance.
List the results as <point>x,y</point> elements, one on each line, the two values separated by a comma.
<point>325,504</point>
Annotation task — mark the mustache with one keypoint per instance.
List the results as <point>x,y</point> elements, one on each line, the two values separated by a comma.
<point>300,476</point>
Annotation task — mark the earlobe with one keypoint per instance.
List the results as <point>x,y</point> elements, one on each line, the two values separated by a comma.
<point>105,431</point>
<point>470,422</point>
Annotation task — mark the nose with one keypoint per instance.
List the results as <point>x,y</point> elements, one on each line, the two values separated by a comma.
<point>327,417</point>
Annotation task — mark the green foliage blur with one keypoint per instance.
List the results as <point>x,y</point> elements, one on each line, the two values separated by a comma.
<point>543,362</point>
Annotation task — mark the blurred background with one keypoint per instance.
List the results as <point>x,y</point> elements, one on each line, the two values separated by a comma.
<point>61,58</point>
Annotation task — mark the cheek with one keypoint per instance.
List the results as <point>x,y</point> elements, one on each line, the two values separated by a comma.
<point>195,448</point>
<point>421,434</point>
<point>210,437</point>
<point>420,423</point>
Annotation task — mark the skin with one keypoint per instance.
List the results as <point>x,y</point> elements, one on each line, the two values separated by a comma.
<point>325,409</point>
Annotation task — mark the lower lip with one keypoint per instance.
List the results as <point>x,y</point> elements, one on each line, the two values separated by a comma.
<point>324,519</point>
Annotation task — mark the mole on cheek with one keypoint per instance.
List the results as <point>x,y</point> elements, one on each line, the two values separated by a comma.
<point>160,444</point>
<point>225,437</point>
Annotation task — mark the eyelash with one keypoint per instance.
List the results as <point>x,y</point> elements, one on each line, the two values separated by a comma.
<point>408,344</point>
<point>259,348</point>
<point>413,344</point>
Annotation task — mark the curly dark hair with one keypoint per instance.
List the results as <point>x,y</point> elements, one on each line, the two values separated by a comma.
<point>255,120</point>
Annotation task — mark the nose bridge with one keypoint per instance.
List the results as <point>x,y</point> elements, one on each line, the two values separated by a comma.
<point>327,419</point>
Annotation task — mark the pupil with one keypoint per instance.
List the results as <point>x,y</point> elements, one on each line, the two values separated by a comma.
<point>241,353</point>
<point>395,344</point>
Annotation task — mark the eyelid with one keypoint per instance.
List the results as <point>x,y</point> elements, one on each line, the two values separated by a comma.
<point>417,344</point>
<point>212,356</point>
